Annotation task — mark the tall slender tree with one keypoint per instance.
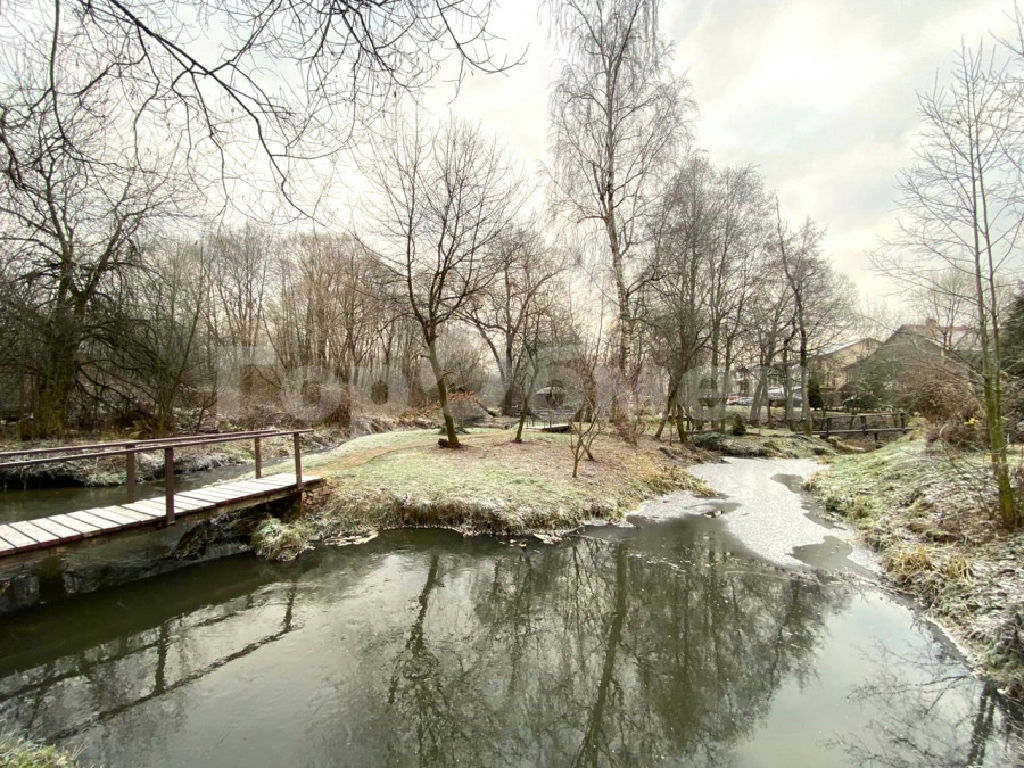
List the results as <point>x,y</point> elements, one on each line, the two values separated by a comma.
<point>964,211</point>
<point>618,118</point>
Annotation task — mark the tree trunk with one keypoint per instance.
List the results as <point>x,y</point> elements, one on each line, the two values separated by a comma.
<point>805,400</point>
<point>442,395</point>
<point>990,372</point>
<point>58,382</point>
<point>524,408</point>
<point>669,408</point>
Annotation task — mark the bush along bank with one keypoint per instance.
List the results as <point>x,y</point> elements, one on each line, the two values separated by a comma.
<point>929,511</point>
<point>490,485</point>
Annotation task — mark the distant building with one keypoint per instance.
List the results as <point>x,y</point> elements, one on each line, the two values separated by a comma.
<point>833,365</point>
<point>951,339</point>
<point>913,352</point>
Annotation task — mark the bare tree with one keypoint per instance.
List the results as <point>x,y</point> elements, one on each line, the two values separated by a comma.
<point>735,256</point>
<point>444,197</point>
<point>617,119</point>
<point>584,427</point>
<point>681,296</point>
<point>947,302</point>
<point>507,315</point>
<point>822,306</point>
<point>73,213</point>
<point>295,80</point>
<point>964,211</point>
<point>153,358</point>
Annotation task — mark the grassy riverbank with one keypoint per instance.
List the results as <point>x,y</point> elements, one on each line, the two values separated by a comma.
<point>929,513</point>
<point>16,752</point>
<point>490,485</point>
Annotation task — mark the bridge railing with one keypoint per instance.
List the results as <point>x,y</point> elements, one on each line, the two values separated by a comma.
<point>130,448</point>
<point>863,428</point>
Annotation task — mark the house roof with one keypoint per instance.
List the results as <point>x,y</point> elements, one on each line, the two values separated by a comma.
<point>831,349</point>
<point>958,336</point>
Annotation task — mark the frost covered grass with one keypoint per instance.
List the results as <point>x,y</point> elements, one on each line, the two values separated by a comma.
<point>18,752</point>
<point>491,485</point>
<point>929,511</point>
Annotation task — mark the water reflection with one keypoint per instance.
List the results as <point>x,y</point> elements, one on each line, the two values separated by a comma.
<point>665,644</point>
<point>936,717</point>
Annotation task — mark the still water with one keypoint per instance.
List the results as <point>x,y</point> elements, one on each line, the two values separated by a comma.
<point>671,642</point>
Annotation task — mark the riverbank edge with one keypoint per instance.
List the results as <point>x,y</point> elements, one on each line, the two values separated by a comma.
<point>20,752</point>
<point>929,518</point>
<point>341,513</point>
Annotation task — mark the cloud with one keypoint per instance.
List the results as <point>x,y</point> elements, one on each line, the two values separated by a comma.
<point>819,95</point>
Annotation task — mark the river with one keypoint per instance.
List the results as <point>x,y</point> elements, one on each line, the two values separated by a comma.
<point>738,632</point>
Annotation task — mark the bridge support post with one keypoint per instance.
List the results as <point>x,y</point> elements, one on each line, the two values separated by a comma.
<point>298,462</point>
<point>129,467</point>
<point>258,453</point>
<point>168,486</point>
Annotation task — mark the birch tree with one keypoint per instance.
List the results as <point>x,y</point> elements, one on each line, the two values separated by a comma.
<point>618,117</point>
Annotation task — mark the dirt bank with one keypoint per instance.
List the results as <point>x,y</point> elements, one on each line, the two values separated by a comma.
<point>928,510</point>
<point>490,485</point>
<point>764,443</point>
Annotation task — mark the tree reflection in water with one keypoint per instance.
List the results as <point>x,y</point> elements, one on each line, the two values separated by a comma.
<point>591,654</point>
<point>616,648</point>
<point>925,716</point>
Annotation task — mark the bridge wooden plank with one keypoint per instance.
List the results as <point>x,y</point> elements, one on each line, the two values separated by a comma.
<point>229,491</point>
<point>244,490</point>
<point>86,529</point>
<point>36,537</point>
<point>131,514</point>
<point>183,503</point>
<point>249,485</point>
<point>214,497</point>
<point>51,525</point>
<point>191,503</point>
<point>50,531</point>
<point>147,509</point>
<point>273,482</point>
<point>34,532</point>
<point>147,506</point>
<point>115,517</point>
<point>16,538</point>
<point>100,523</point>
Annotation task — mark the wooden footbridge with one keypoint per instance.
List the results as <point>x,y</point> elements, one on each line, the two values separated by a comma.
<point>70,527</point>
<point>863,428</point>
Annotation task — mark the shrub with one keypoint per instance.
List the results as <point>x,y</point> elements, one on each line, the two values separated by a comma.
<point>907,562</point>
<point>967,435</point>
<point>275,540</point>
<point>18,752</point>
<point>945,398</point>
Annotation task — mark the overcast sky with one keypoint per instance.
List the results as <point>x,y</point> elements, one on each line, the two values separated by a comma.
<point>817,94</point>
